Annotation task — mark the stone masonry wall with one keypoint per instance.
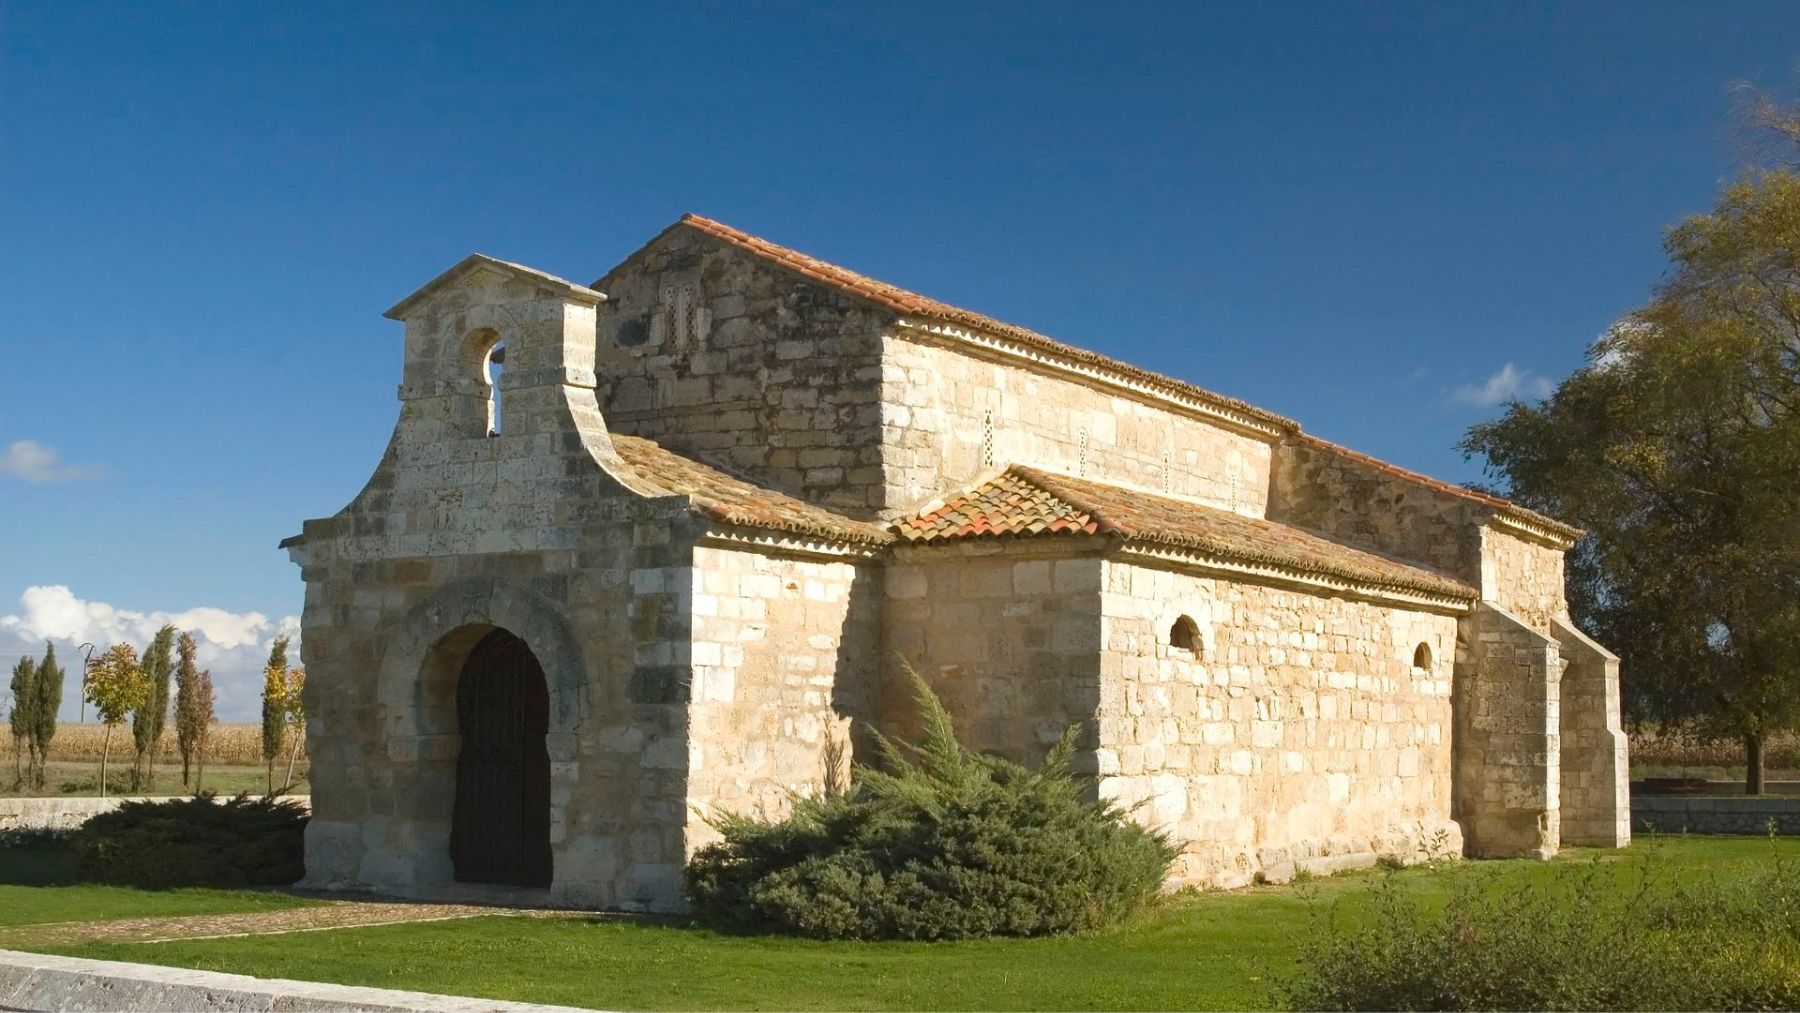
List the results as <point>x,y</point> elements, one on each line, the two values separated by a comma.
<point>535,531</point>
<point>711,351</point>
<point>1365,506</point>
<point>950,417</point>
<point>1007,637</point>
<point>1508,737</point>
<point>784,656</point>
<point>1298,732</point>
<point>1725,814</point>
<point>1523,577</point>
<point>1594,764</point>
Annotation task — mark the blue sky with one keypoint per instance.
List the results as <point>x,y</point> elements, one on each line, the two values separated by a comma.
<point>1365,217</point>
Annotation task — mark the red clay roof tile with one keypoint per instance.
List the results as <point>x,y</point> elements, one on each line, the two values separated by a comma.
<point>727,499</point>
<point>913,304</point>
<point>1023,502</point>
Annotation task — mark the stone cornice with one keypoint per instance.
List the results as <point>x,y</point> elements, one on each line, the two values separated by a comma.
<point>1322,584</point>
<point>1531,531</point>
<point>480,263</point>
<point>785,543</point>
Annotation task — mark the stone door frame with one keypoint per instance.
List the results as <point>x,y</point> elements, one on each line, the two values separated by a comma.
<point>416,695</point>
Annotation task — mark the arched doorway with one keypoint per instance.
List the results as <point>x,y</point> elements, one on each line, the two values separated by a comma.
<point>500,821</point>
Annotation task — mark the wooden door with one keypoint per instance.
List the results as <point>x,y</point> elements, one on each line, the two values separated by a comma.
<point>500,827</point>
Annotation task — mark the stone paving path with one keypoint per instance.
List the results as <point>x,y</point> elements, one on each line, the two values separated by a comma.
<point>328,915</point>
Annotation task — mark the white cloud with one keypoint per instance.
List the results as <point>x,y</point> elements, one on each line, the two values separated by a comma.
<point>1509,384</point>
<point>31,461</point>
<point>233,645</point>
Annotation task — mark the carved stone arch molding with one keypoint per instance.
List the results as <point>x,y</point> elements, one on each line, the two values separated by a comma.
<point>460,344</point>
<point>416,695</point>
<point>417,681</point>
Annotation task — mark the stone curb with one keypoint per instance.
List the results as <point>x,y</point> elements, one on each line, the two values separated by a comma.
<point>35,981</point>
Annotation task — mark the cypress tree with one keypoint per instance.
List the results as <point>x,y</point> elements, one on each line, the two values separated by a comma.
<point>24,719</point>
<point>48,702</point>
<point>148,719</point>
<point>187,704</point>
<point>203,722</point>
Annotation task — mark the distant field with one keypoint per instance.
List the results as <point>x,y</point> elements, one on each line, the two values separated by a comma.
<point>234,762</point>
<point>1656,754</point>
<point>229,744</point>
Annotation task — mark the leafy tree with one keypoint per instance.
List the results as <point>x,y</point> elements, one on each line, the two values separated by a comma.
<point>148,719</point>
<point>116,686</point>
<point>295,717</point>
<point>274,706</point>
<point>187,700</point>
<point>1676,446</point>
<point>24,700</point>
<point>46,706</point>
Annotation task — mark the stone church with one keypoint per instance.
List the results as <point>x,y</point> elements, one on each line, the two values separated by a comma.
<point>664,546</point>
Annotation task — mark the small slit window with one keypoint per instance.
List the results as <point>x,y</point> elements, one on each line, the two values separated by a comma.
<point>1422,656</point>
<point>1184,635</point>
<point>495,364</point>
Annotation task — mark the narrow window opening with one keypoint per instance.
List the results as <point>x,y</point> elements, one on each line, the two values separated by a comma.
<point>1422,656</point>
<point>1184,635</point>
<point>492,368</point>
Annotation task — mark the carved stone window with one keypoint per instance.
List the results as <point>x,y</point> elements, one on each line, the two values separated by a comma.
<point>1422,656</point>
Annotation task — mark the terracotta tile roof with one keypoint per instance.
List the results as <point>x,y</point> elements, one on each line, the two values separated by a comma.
<point>1008,504</point>
<point>1027,502</point>
<point>727,499</point>
<point>913,304</point>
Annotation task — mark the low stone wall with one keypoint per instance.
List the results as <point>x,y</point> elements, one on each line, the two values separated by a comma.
<point>34,981</point>
<point>69,812</point>
<point>1717,814</point>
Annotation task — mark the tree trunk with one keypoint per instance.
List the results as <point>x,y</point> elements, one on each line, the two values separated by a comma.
<point>1753,764</point>
<point>184,770</point>
<point>269,787</point>
<point>293,754</point>
<point>199,765</point>
<point>105,751</point>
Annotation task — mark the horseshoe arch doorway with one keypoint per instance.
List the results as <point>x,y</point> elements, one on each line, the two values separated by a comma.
<point>500,820</point>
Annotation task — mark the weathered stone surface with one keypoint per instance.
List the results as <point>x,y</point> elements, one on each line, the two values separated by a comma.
<point>702,660</point>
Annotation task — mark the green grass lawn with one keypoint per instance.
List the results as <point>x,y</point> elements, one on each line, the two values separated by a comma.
<point>1206,951</point>
<point>37,886</point>
<point>34,905</point>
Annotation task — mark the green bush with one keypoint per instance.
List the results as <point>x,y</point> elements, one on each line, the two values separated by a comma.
<point>943,843</point>
<point>241,841</point>
<point>1588,938</point>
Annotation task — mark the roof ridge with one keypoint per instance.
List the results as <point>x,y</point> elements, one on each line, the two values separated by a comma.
<point>1056,485</point>
<point>1046,481</point>
<point>908,302</point>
